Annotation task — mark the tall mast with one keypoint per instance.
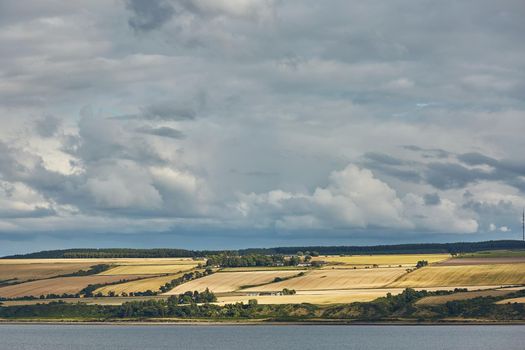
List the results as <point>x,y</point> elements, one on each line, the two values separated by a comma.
<point>523,224</point>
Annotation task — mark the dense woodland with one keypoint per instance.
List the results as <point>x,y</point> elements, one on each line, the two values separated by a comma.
<point>421,248</point>
<point>194,305</point>
<point>251,260</point>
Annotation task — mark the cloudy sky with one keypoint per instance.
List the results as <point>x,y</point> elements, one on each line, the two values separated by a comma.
<point>241,123</point>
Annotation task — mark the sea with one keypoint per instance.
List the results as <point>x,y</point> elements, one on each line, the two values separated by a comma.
<point>259,337</point>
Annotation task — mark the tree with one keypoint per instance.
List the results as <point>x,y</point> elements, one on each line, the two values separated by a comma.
<point>421,263</point>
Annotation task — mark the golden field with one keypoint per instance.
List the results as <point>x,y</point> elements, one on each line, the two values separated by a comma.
<point>109,261</point>
<point>69,285</point>
<point>336,279</point>
<point>147,269</point>
<point>25,272</point>
<point>468,275</point>
<point>222,282</point>
<point>142,285</point>
<point>319,299</point>
<point>383,260</point>
<point>512,301</point>
<point>337,282</point>
<point>442,299</point>
<point>88,300</point>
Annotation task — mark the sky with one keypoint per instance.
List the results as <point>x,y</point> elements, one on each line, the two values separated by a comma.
<point>212,124</point>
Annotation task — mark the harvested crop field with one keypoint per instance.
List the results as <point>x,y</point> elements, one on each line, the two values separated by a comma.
<point>512,301</point>
<point>391,259</point>
<point>494,254</point>
<point>320,299</point>
<point>482,261</point>
<point>115,261</point>
<point>442,299</point>
<point>88,301</point>
<point>470,275</point>
<point>61,285</point>
<point>222,282</point>
<point>261,268</point>
<point>141,285</point>
<point>337,279</point>
<point>25,272</point>
<point>146,269</point>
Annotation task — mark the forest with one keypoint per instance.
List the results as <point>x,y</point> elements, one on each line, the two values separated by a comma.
<point>419,248</point>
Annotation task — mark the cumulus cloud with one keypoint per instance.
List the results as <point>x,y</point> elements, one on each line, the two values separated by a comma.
<point>149,14</point>
<point>241,114</point>
<point>167,111</point>
<point>47,126</point>
<point>20,201</point>
<point>163,131</point>
<point>235,8</point>
<point>445,216</point>
<point>355,198</point>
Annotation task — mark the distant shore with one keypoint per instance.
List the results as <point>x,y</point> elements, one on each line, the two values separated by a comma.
<point>263,323</point>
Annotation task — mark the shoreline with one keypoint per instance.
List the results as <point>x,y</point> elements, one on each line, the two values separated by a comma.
<point>213,323</point>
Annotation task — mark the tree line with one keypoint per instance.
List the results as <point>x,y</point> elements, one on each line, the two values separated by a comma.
<point>419,248</point>
<point>198,305</point>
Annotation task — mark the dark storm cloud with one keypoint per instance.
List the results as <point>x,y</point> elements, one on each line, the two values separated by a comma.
<point>36,213</point>
<point>167,111</point>
<point>451,175</point>
<point>163,131</point>
<point>164,111</point>
<point>47,126</point>
<point>444,175</point>
<point>149,14</point>
<point>503,166</point>
<point>392,166</point>
<point>432,199</point>
<point>383,158</point>
<point>477,159</point>
<point>506,171</point>
<point>428,153</point>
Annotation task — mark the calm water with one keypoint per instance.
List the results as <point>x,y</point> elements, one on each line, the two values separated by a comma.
<point>81,337</point>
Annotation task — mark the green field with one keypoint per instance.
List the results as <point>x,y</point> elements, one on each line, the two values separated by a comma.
<point>494,254</point>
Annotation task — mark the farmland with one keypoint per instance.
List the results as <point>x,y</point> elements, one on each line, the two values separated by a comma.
<point>468,275</point>
<point>222,282</point>
<point>336,279</point>
<point>61,285</point>
<point>319,299</point>
<point>142,285</point>
<point>111,261</point>
<point>383,260</point>
<point>147,269</point>
<point>520,300</point>
<point>25,272</point>
<point>340,279</point>
<point>494,254</point>
<point>442,299</point>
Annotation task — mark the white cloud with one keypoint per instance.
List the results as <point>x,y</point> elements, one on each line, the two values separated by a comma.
<point>19,200</point>
<point>126,187</point>
<point>355,198</point>
<point>444,217</point>
<point>271,97</point>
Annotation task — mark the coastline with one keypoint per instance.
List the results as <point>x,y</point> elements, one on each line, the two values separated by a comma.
<point>262,323</point>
